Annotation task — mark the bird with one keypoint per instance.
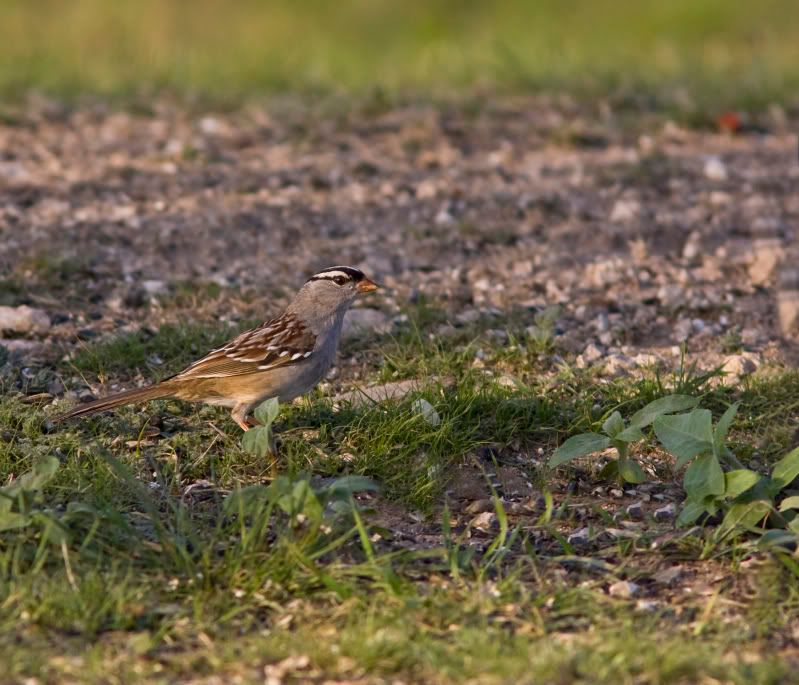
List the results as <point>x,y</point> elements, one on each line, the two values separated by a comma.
<point>283,358</point>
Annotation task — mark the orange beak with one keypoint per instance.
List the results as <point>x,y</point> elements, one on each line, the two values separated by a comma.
<point>367,286</point>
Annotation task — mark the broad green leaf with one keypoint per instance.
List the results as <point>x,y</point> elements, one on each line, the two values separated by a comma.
<point>258,441</point>
<point>35,479</point>
<point>686,435</point>
<point>739,481</point>
<point>777,538</point>
<point>665,405</point>
<point>267,411</point>
<point>9,520</point>
<point>691,511</point>
<point>246,500</point>
<point>704,477</point>
<point>745,515</point>
<point>613,425</point>
<point>630,434</point>
<point>711,503</point>
<point>790,503</point>
<point>610,470</point>
<point>302,500</point>
<point>630,471</point>
<point>349,485</point>
<point>793,525</point>
<point>786,469</point>
<point>578,446</point>
<point>53,531</point>
<point>81,508</point>
<point>723,427</point>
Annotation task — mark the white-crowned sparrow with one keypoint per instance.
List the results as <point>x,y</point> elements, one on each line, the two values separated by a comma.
<point>284,357</point>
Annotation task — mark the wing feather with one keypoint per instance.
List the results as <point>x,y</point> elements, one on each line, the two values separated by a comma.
<point>278,342</point>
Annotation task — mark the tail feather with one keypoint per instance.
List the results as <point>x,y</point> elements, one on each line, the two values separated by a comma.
<point>154,392</point>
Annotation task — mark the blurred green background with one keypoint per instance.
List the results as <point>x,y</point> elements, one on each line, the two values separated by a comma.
<point>735,50</point>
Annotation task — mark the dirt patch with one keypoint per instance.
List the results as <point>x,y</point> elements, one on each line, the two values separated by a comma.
<point>644,237</point>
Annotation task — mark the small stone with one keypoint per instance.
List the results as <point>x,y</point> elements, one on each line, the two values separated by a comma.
<point>624,589</point>
<point>636,510</point>
<point>740,365</point>
<point>579,537</point>
<point>480,506</point>
<point>682,329</point>
<point>497,334</point>
<point>693,246</point>
<point>751,337</point>
<point>153,287</point>
<point>24,319</point>
<point>426,189</point>
<point>444,217</point>
<point>468,316</point>
<point>619,534</point>
<point>671,295</point>
<point>427,411</point>
<point>618,364</point>
<point>362,322</point>
<point>668,576</point>
<point>715,169</point>
<point>624,210</point>
<point>666,513</point>
<point>764,265</point>
<point>592,353</point>
<point>484,521</point>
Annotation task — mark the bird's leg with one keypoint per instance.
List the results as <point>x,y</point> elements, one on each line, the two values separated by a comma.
<point>239,415</point>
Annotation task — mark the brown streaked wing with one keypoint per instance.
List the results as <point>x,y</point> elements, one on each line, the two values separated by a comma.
<point>278,342</point>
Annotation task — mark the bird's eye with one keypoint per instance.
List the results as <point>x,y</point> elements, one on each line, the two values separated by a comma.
<point>339,280</point>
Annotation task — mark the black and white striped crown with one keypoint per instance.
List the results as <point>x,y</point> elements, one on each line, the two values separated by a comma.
<point>339,274</point>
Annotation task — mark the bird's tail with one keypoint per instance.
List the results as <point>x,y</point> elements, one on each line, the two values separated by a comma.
<point>154,392</point>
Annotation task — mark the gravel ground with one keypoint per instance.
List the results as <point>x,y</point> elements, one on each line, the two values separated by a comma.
<point>645,234</point>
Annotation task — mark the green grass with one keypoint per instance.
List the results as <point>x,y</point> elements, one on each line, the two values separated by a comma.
<point>159,354</point>
<point>711,50</point>
<point>157,578</point>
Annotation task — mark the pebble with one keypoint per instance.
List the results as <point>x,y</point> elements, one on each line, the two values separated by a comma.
<point>739,365</point>
<point>153,287</point>
<point>682,329</point>
<point>666,513</point>
<point>427,411</point>
<point>636,510</point>
<point>444,218</point>
<point>624,210</point>
<point>624,589</point>
<point>484,521</point>
<point>618,364</point>
<point>363,322</point>
<point>480,506</point>
<point>668,576</point>
<point>24,319</point>
<point>715,169</point>
<point>467,316</point>
<point>693,246</point>
<point>592,353</point>
<point>579,537</point>
<point>671,295</point>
